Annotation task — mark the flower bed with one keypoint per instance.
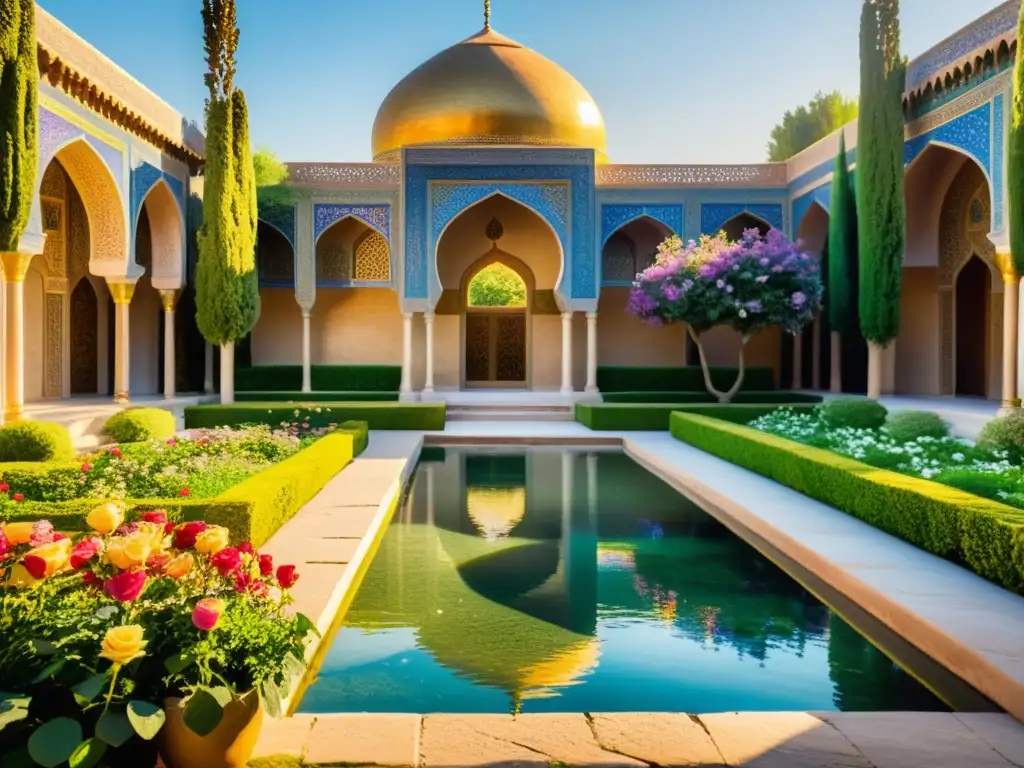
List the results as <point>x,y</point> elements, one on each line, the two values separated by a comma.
<point>413,416</point>
<point>943,459</point>
<point>101,633</point>
<point>654,417</point>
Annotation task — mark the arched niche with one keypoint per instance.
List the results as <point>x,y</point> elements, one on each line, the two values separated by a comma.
<point>166,246</point>
<point>813,229</point>
<point>741,222</point>
<point>630,249</point>
<point>351,251</point>
<point>275,257</point>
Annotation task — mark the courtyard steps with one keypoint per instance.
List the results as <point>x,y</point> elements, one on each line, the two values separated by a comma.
<point>509,412</point>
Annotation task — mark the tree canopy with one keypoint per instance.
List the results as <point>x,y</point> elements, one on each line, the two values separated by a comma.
<point>497,285</point>
<point>842,246</point>
<point>809,123</point>
<point>269,171</point>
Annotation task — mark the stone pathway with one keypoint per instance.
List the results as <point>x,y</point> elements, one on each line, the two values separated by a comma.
<point>640,740</point>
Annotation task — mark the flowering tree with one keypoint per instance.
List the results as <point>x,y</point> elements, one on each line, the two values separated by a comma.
<point>748,285</point>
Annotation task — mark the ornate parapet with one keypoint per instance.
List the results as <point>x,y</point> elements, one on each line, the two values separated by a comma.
<point>345,175</point>
<point>651,176</point>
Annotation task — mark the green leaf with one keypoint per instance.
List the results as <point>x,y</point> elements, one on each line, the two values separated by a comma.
<point>304,626</point>
<point>179,661</point>
<point>13,707</point>
<point>43,647</point>
<point>54,741</point>
<point>50,670</point>
<point>88,754</point>
<point>19,758</point>
<point>89,689</point>
<point>272,699</point>
<point>107,612</point>
<point>203,711</point>
<point>146,718</point>
<point>114,728</point>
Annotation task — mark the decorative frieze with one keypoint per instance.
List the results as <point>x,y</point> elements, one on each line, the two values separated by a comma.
<point>761,175</point>
<point>345,174</point>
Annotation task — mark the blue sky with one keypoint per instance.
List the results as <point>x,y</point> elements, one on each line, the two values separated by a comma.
<point>678,81</point>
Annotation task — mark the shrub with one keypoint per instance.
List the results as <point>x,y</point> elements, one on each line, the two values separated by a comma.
<point>35,441</point>
<point>690,378</point>
<point>1005,433</point>
<point>42,481</point>
<point>417,416</point>
<point>360,431</point>
<point>856,412</point>
<point>136,425</point>
<point>773,397</point>
<point>906,426</point>
<point>297,396</point>
<point>986,536</point>
<point>653,417</point>
<point>331,378</point>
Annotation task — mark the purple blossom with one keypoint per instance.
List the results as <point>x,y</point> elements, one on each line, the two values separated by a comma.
<point>671,292</point>
<point>761,279</point>
<point>753,306</point>
<point>799,299</point>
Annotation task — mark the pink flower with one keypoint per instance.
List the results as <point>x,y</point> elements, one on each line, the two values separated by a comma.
<point>126,586</point>
<point>87,467</point>
<point>184,492</point>
<point>172,442</point>
<point>155,516</point>
<point>227,561</point>
<point>286,576</point>
<point>42,530</point>
<point>243,582</point>
<point>84,551</point>
<point>266,565</point>
<point>185,536</point>
<point>207,613</point>
<point>115,451</point>
<point>5,545</point>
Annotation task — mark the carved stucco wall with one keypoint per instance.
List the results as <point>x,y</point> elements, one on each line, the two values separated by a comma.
<point>963,233</point>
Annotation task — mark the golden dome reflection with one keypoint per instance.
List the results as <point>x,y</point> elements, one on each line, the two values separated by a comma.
<point>496,511</point>
<point>488,90</point>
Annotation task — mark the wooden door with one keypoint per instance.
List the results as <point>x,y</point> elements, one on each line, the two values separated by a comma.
<point>495,351</point>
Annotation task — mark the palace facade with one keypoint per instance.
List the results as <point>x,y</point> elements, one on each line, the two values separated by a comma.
<point>491,153</point>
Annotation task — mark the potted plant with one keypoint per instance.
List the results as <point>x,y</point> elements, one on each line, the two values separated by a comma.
<point>140,637</point>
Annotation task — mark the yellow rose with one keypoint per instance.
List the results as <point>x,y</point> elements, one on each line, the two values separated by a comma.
<point>123,644</point>
<point>180,565</point>
<point>54,555</point>
<point>20,577</point>
<point>212,540</point>
<point>106,518</point>
<point>18,533</point>
<point>130,551</point>
<point>154,532</point>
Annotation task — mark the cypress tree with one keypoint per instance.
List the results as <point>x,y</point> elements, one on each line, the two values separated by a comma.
<point>19,118</point>
<point>227,291</point>
<point>881,207</point>
<point>1015,160</point>
<point>842,256</point>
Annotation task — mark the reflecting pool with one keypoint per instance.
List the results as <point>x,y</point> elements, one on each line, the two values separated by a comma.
<point>548,580</point>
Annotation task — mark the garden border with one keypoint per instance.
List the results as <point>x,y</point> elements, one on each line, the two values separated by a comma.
<point>654,417</point>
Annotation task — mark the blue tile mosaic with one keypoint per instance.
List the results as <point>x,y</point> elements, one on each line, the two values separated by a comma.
<point>281,218</point>
<point>987,28</point>
<point>616,215</point>
<point>143,178</point>
<point>55,133</point>
<point>971,133</point>
<point>377,216</point>
<point>997,163</point>
<point>714,215</point>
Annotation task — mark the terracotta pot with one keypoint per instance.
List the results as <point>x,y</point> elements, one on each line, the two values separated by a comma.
<point>230,745</point>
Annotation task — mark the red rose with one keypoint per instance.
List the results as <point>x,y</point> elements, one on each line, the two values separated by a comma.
<point>84,551</point>
<point>35,565</point>
<point>115,451</point>
<point>5,545</point>
<point>126,586</point>
<point>266,565</point>
<point>227,561</point>
<point>243,581</point>
<point>87,467</point>
<point>184,492</point>
<point>246,548</point>
<point>207,613</point>
<point>168,527</point>
<point>4,487</point>
<point>259,588</point>
<point>155,516</point>
<point>286,576</point>
<point>19,497</point>
<point>90,579</point>
<point>59,537</point>
<point>185,536</point>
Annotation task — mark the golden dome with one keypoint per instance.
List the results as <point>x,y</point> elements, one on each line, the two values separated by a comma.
<point>488,90</point>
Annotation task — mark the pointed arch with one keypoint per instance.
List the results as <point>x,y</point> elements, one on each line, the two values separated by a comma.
<point>629,249</point>
<point>615,216</point>
<point>498,256</point>
<point>715,216</point>
<point>327,215</point>
<point>735,226</point>
<point>166,227</point>
<point>275,257</point>
<point>812,229</point>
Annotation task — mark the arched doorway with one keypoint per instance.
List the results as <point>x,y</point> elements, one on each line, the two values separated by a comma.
<point>85,335</point>
<point>741,222</point>
<point>147,317</point>
<point>492,346</point>
<point>972,342</point>
<point>496,336</point>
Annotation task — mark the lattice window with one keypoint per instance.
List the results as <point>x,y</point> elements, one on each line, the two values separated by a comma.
<point>333,265</point>
<point>274,259</point>
<point>373,258</point>
<point>619,259</point>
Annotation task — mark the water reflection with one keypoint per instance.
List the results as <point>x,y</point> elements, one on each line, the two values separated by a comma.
<point>561,581</point>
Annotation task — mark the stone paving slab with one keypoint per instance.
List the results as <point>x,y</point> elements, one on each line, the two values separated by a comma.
<point>645,740</point>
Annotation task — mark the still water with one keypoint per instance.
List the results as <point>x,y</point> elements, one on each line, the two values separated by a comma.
<point>561,581</point>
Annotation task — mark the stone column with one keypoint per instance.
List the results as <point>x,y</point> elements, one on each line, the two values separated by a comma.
<point>798,361</point>
<point>566,388</point>
<point>169,300</point>
<point>405,390</point>
<point>591,353</point>
<point>15,266</point>
<point>307,367</point>
<point>1010,310</point>
<point>428,323</point>
<point>208,369</point>
<point>816,353</point>
<point>121,293</point>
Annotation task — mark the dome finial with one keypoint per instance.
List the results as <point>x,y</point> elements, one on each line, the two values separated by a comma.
<point>487,15</point>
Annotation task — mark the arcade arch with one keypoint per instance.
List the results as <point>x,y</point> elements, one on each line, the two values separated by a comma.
<point>272,340</point>
<point>738,224</point>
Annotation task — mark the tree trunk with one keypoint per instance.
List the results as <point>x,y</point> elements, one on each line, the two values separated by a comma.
<point>836,374</point>
<point>723,397</point>
<point>227,373</point>
<point>876,358</point>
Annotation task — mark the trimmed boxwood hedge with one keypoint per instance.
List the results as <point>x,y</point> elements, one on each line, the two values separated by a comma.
<point>654,417</point>
<point>296,396</point>
<point>706,397</point>
<point>690,378</point>
<point>330,378</point>
<point>414,416</point>
<point>983,535</point>
<point>253,510</point>
<point>136,425</point>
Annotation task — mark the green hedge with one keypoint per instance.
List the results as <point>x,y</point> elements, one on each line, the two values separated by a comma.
<point>771,397</point>
<point>330,378</point>
<point>983,535</point>
<point>690,378</point>
<point>415,416</point>
<point>654,417</point>
<point>253,510</point>
<point>137,425</point>
<point>296,396</point>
